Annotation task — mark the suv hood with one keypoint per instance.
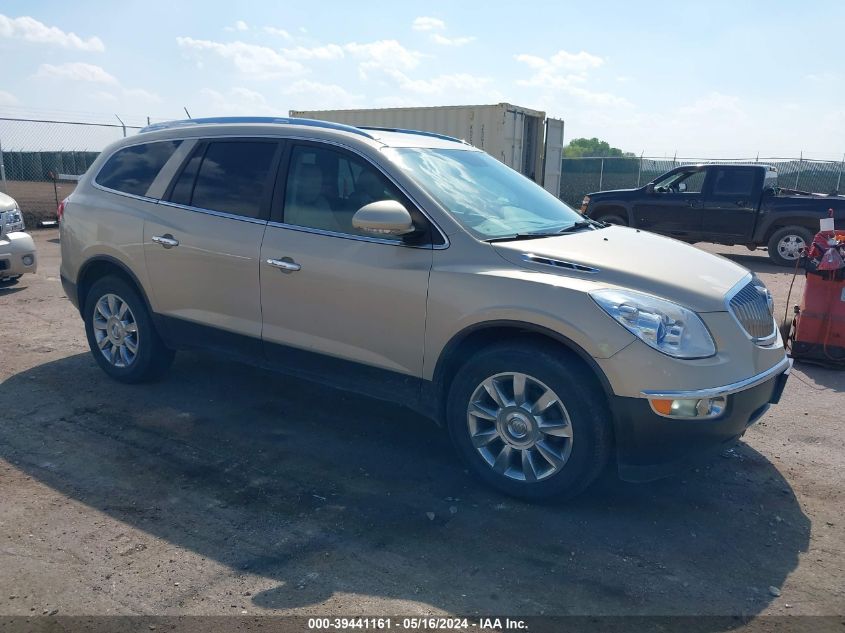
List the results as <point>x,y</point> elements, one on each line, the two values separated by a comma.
<point>637,260</point>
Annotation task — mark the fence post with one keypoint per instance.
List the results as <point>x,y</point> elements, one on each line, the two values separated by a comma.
<point>675,160</point>
<point>601,174</point>
<point>3,170</point>
<point>122,124</point>
<point>798,175</point>
<point>640,168</point>
<point>839,177</point>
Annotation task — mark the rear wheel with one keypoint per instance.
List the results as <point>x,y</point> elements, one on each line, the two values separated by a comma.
<point>528,423</point>
<point>121,334</point>
<point>785,244</point>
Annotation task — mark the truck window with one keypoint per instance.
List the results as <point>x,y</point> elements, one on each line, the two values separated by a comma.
<point>731,181</point>
<point>681,182</point>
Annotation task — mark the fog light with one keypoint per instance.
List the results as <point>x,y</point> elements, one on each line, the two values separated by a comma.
<point>28,260</point>
<point>689,408</point>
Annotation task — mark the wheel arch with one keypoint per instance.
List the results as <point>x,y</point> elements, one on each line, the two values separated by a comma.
<point>478,336</point>
<point>102,266</point>
<point>811,223</point>
<point>612,208</point>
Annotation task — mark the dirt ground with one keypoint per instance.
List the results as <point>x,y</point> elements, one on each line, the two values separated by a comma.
<point>37,200</point>
<point>226,489</point>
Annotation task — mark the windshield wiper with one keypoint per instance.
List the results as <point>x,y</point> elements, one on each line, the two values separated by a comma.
<point>581,224</point>
<point>520,236</point>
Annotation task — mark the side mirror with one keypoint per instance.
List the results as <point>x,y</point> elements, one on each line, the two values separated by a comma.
<point>385,218</point>
<point>649,188</point>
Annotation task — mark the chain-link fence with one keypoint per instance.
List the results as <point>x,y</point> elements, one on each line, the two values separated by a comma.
<point>585,175</point>
<point>40,159</point>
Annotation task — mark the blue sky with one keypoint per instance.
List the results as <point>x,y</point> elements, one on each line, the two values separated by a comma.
<point>704,79</point>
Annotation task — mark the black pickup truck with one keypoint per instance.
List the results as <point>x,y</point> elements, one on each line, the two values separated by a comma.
<point>723,204</point>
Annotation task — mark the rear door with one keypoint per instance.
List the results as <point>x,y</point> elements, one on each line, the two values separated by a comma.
<point>730,203</point>
<point>553,156</point>
<point>202,241</point>
<point>329,291</point>
<point>674,208</point>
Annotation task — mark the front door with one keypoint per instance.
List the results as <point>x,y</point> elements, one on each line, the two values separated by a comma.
<point>203,240</point>
<point>332,293</point>
<point>674,206</point>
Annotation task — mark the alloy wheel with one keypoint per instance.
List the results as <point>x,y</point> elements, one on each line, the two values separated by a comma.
<point>789,246</point>
<point>115,330</point>
<point>519,426</point>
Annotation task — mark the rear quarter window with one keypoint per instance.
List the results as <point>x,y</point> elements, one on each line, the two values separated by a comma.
<point>133,169</point>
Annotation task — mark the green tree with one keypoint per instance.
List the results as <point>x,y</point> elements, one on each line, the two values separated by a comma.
<point>591,147</point>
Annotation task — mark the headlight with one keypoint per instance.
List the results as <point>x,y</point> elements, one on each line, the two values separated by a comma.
<point>14,221</point>
<point>664,325</point>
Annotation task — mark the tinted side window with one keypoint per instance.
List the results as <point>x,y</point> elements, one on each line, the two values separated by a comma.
<point>234,177</point>
<point>326,187</point>
<point>183,189</point>
<point>133,169</point>
<point>734,182</point>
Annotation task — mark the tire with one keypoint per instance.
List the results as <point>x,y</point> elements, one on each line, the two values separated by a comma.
<point>783,243</point>
<point>613,218</point>
<point>500,459</point>
<point>136,351</point>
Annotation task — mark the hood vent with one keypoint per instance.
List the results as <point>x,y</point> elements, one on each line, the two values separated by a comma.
<point>559,263</point>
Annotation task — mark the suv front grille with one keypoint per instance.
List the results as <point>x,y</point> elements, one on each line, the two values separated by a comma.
<point>751,308</point>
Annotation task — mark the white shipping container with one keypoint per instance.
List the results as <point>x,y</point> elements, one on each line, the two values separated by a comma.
<point>519,137</point>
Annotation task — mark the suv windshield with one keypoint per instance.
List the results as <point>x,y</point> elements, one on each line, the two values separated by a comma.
<point>489,199</point>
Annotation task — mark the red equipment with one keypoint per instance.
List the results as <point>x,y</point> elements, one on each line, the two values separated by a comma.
<point>818,329</point>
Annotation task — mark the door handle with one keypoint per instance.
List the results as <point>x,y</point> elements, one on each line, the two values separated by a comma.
<point>166,240</point>
<point>286,264</point>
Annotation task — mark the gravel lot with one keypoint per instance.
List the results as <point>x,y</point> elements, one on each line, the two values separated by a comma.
<point>226,489</point>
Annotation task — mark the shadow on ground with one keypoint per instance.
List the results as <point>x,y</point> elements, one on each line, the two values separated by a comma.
<point>325,492</point>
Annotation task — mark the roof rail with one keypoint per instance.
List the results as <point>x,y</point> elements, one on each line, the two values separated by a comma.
<point>254,119</point>
<point>420,132</point>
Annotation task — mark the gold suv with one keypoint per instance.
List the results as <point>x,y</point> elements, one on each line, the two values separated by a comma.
<point>412,267</point>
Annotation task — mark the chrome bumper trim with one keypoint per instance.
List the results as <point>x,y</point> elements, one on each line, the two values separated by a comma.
<point>783,367</point>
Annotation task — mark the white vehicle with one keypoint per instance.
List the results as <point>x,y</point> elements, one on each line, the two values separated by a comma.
<point>17,250</point>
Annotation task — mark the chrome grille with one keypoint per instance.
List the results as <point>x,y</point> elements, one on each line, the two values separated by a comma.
<point>751,308</point>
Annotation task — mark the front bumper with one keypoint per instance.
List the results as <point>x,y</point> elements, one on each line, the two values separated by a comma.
<point>15,250</point>
<point>650,446</point>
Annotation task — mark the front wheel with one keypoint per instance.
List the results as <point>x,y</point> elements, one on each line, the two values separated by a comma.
<point>613,218</point>
<point>121,334</point>
<point>785,244</point>
<point>528,422</point>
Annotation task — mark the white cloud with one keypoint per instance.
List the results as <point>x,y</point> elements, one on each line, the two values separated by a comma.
<point>141,95</point>
<point>239,25</point>
<point>569,73</point>
<point>272,30</point>
<point>252,60</point>
<point>329,51</point>
<point>423,23</point>
<point>76,71</point>
<point>383,55</point>
<point>714,102</point>
<point>313,95</point>
<point>31,30</point>
<point>7,98</point>
<point>441,84</point>
<point>237,101</point>
<point>452,41</point>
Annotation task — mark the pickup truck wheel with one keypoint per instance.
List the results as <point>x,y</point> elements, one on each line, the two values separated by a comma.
<point>785,244</point>
<point>612,218</point>
<point>528,423</point>
<point>121,334</point>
